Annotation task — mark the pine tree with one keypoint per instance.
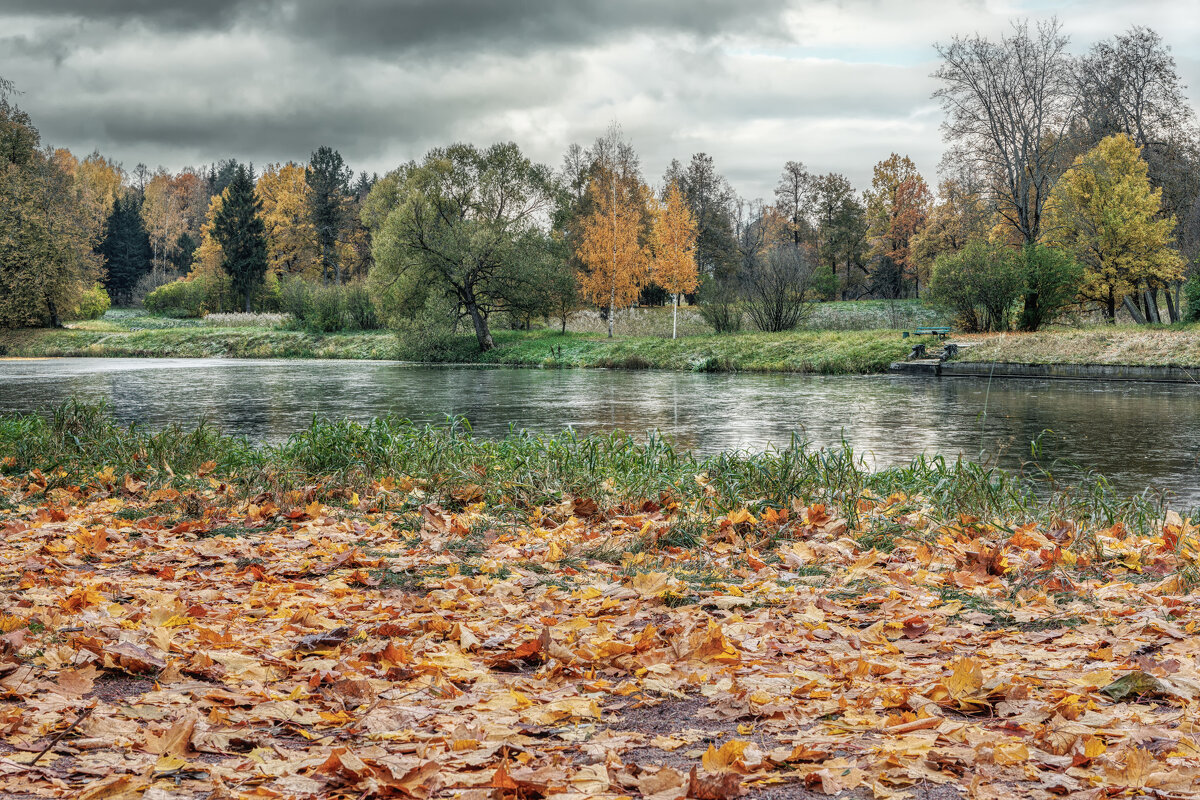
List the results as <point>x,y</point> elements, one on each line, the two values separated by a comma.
<point>125,247</point>
<point>239,230</point>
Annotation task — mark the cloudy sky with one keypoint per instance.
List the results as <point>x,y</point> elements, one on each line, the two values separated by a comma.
<point>837,84</point>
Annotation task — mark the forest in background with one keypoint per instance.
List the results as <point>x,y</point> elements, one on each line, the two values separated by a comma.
<point>1068,183</point>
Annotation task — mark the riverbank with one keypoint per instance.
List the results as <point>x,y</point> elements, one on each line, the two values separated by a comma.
<point>826,352</point>
<point>1166,353</point>
<point>308,614</point>
<point>1127,345</point>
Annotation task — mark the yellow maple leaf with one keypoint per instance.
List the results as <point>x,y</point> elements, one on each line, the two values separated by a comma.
<point>727,759</point>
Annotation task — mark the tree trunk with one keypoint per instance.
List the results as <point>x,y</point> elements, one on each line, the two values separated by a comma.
<point>1152,314</point>
<point>564,322</point>
<point>612,311</point>
<point>675,318</point>
<point>1031,314</point>
<point>481,327</point>
<point>1133,310</point>
<point>1172,305</point>
<point>1111,309</point>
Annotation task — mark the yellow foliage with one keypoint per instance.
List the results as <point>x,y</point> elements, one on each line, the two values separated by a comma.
<point>291,236</point>
<point>617,262</point>
<point>673,242</point>
<point>1104,211</point>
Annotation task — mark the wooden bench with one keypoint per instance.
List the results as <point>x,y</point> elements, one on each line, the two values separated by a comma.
<point>940,332</point>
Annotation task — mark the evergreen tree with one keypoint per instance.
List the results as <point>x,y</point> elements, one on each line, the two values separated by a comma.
<point>185,248</point>
<point>125,247</point>
<point>239,230</point>
<point>329,178</point>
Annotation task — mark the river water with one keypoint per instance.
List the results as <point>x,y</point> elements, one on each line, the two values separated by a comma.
<point>1138,435</point>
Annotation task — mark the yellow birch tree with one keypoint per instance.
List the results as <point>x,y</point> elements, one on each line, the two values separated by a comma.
<point>616,264</point>
<point>673,243</point>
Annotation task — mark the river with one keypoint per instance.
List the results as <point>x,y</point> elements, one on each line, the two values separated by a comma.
<point>1138,435</point>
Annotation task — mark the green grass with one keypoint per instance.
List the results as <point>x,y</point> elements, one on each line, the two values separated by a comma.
<point>522,470</point>
<point>828,352</point>
<point>843,348</point>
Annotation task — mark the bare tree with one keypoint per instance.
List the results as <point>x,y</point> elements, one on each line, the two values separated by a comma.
<point>776,286</point>
<point>1009,105</point>
<point>794,199</point>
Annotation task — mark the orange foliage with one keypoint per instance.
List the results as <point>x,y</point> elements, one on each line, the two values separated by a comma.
<point>617,262</point>
<point>674,244</point>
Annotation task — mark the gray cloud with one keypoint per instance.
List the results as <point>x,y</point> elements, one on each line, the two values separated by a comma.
<point>838,84</point>
<point>428,25</point>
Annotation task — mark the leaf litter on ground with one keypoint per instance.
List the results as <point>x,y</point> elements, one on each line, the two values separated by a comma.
<point>384,645</point>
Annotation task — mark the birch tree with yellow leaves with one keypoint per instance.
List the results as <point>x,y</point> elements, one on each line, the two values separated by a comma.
<point>616,264</point>
<point>673,245</point>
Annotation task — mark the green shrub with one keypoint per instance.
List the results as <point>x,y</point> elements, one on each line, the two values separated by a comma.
<point>329,310</point>
<point>360,308</point>
<point>296,298</point>
<point>1052,280</point>
<point>1191,294</point>
<point>92,304</point>
<point>185,298</point>
<point>431,334</point>
<point>980,284</point>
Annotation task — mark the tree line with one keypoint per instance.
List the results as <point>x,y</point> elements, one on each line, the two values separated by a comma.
<point>1067,182</point>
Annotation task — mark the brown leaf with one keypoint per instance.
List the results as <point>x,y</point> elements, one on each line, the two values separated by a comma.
<point>703,786</point>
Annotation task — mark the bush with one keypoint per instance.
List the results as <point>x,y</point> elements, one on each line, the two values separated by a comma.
<point>296,298</point>
<point>720,304</point>
<point>329,309</point>
<point>432,336</point>
<point>93,304</point>
<point>360,308</point>
<point>776,287</point>
<point>1052,280</point>
<point>1191,294</point>
<point>185,298</point>
<point>980,284</point>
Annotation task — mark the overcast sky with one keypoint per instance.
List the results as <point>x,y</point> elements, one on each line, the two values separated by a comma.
<point>837,85</point>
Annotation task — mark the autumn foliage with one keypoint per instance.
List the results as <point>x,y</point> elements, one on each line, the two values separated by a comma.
<point>615,258</point>
<point>513,625</point>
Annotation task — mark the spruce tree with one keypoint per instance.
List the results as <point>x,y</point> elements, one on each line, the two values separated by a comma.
<point>239,230</point>
<point>329,179</point>
<point>126,248</point>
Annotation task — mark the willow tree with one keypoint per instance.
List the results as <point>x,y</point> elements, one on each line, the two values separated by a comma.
<point>464,222</point>
<point>673,242</point>
<point>616,264</point>
<point>1104,212</point>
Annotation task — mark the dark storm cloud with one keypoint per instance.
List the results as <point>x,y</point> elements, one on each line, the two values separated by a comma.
<point>174,15</point>
<point>837,84</point>
<point>399,25</point>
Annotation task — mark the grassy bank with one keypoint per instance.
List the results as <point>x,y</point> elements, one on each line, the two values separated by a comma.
<point>848,352</point>
<point>1134,345</point>
<point>827,351</point>
<point>196,342</point>
<point>299,619</point>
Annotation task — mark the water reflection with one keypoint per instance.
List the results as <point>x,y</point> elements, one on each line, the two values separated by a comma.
<point>1137,434</point>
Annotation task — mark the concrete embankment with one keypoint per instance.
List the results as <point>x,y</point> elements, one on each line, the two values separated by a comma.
<point>1093,372</point>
